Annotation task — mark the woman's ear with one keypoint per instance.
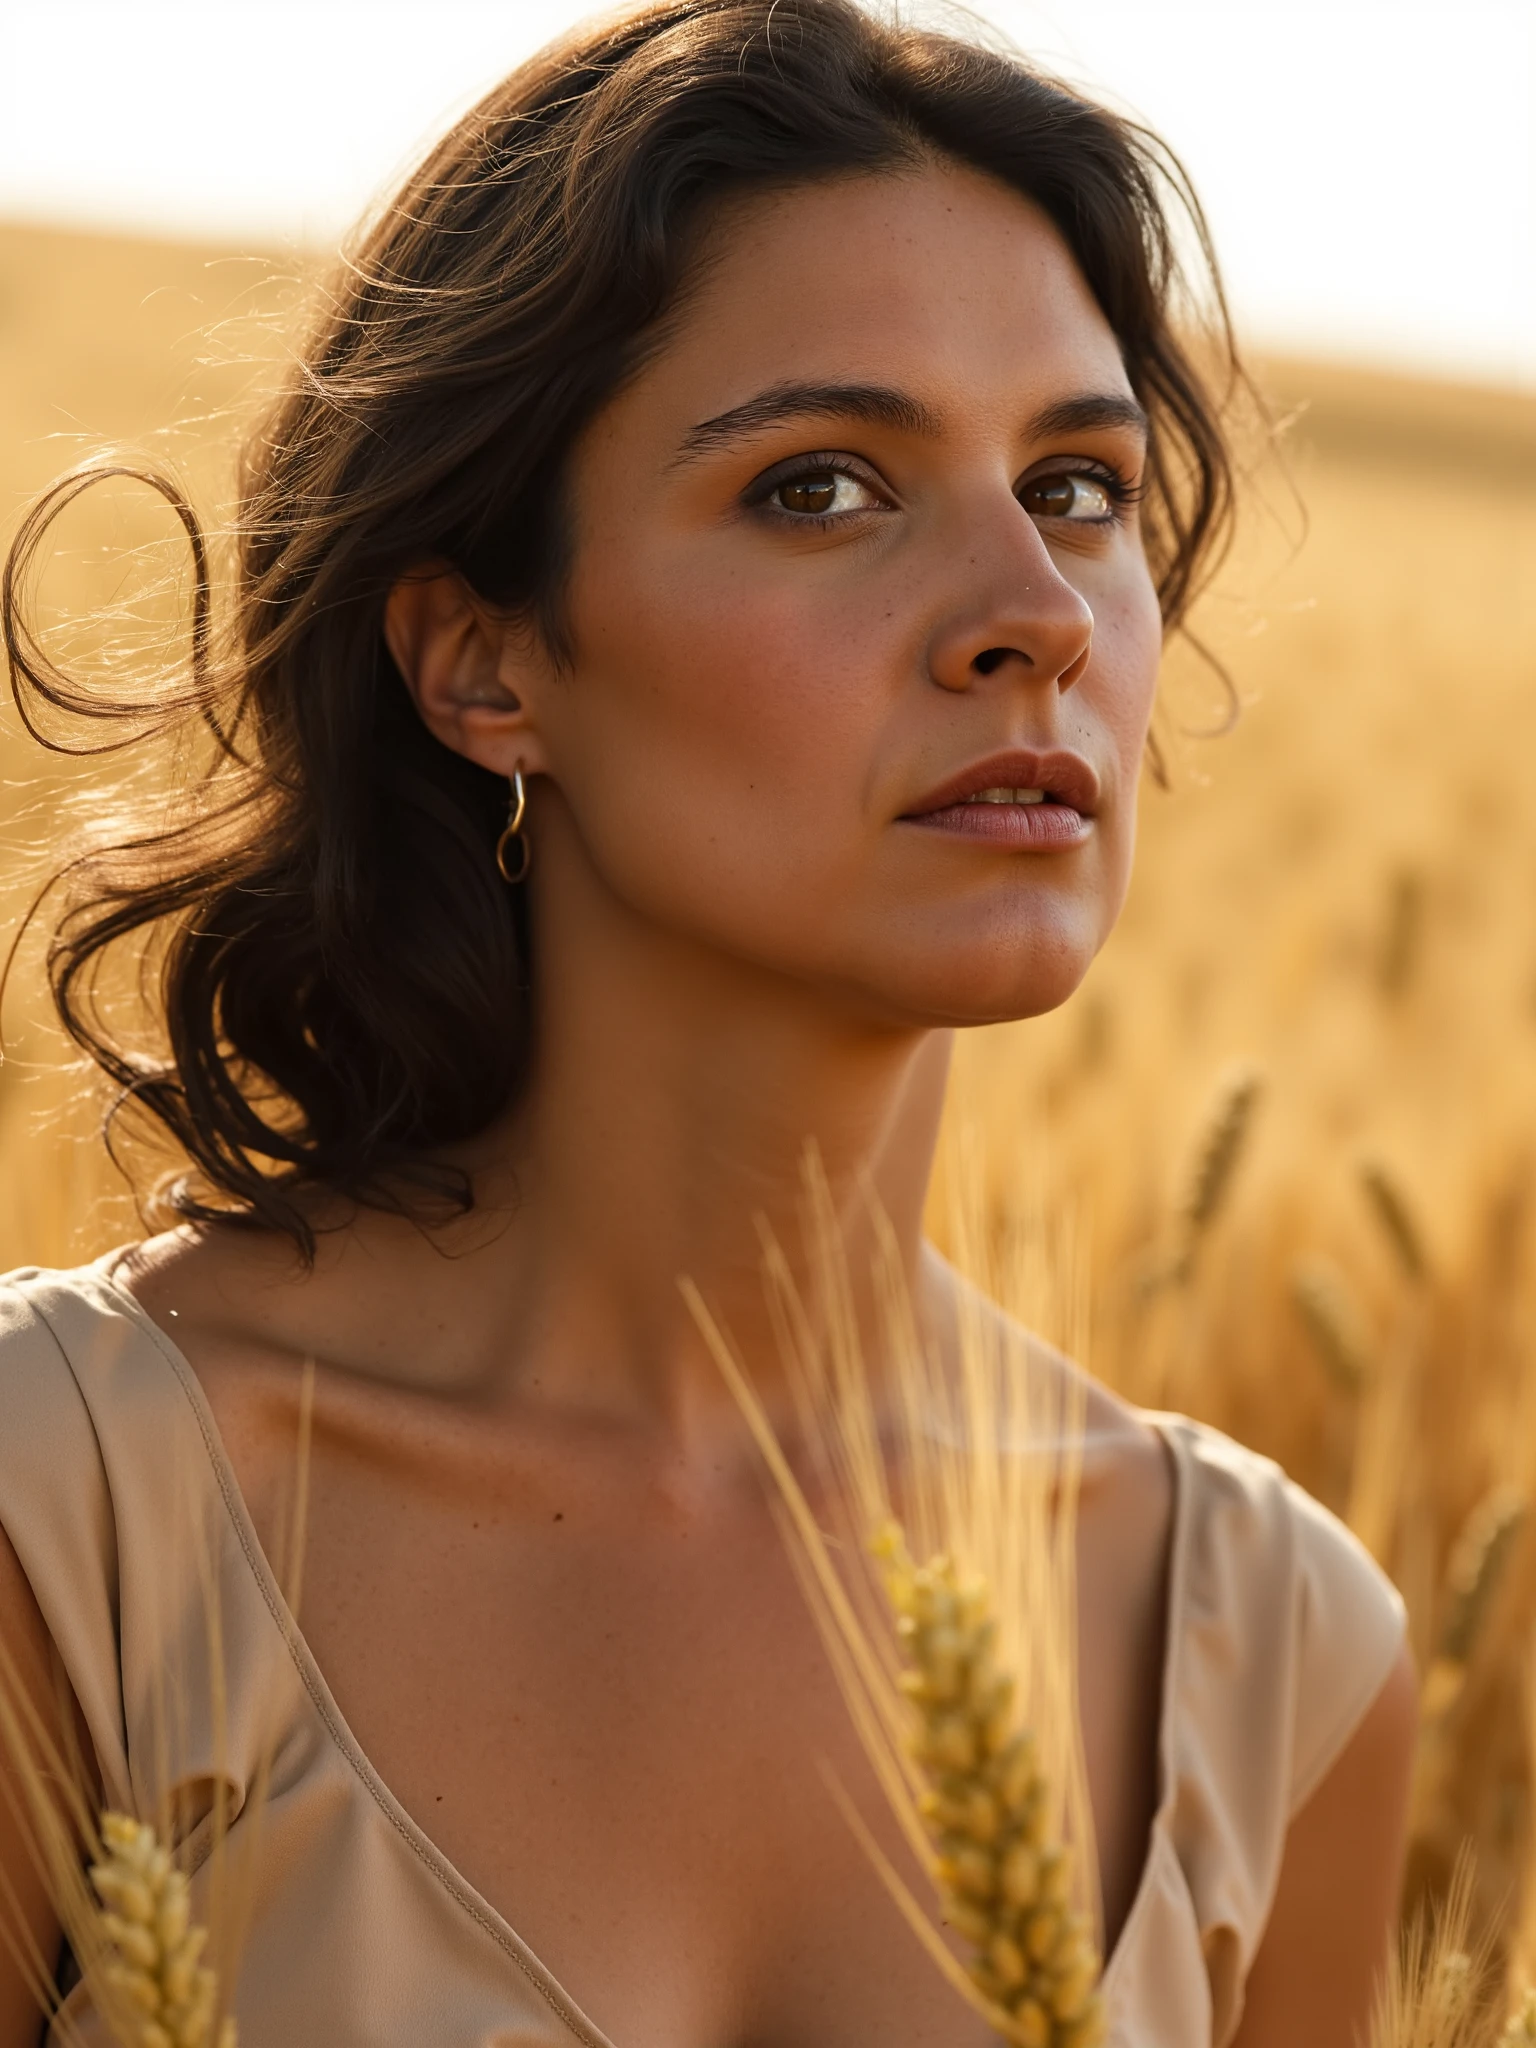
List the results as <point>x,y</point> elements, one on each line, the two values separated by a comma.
<point>450,648</point>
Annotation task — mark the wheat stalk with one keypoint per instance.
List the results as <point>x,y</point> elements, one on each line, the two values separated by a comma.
<point>1476,1566</point>
<point>1004,1884</point>
<point>123,1904</point>
<point>1212,1170</point>
<point>1227,1125</point>
<point>1434,1996</point>
<point>152,1948</point>
<point>1393,1211</point>
<point>1333,1321</point>
<point>1478,1561</point>
<point>982,1450</point>
<point>1403,933</point>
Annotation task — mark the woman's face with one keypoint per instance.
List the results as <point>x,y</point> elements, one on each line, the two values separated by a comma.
<point>864,640</point>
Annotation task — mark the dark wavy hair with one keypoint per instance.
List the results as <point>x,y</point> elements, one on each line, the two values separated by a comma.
<point>342,975</point>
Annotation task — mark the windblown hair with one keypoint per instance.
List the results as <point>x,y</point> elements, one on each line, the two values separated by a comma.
<point>343,977</point>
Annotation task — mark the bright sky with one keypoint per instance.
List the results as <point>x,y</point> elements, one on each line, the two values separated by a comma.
<point>1369,165</point>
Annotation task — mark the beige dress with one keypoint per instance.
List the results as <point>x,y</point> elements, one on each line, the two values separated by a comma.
<point>121,1504</point>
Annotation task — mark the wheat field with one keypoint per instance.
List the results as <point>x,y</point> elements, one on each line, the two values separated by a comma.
<point>1293,1110</point>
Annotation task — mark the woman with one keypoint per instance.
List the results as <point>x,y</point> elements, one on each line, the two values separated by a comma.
<point>698,609</point>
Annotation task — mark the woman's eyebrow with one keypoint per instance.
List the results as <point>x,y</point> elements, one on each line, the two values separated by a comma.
<point>1088,412</point>
<point>876,404</point>
<point>882,406</point>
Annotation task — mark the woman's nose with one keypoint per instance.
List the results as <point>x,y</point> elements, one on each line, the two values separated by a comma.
<point>1022,614</point>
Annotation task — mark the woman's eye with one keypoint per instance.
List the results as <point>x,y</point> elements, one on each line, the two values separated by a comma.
<point>819,492</point>
<point>1068,495</point>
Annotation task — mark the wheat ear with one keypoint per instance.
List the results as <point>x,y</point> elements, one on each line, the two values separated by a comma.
<point>969,1436</point>
<point>1403,936</point>
<point>153,1950</point>
<point>1003,1883</point>
<point>1476,1567</point>
<point>1474,1574</point>
<point>1333,1321</point>
<point>1394,1213</point>
<point>1212,1170</point>
<point>1221,1146</point>
<point>1434,1994</point>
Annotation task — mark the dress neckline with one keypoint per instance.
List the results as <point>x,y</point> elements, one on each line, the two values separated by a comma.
<point>444,1872</point>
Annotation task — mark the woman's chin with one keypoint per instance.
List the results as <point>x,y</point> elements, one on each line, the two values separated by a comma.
<point>1002,988</point>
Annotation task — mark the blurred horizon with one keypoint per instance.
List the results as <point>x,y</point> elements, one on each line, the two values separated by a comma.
<point>1369,169</point>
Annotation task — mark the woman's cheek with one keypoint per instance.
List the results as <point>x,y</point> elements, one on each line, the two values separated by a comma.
<point>752,677</point>
<point>1123,692</point>
<point>720,742</point>
<point>1129,634</point>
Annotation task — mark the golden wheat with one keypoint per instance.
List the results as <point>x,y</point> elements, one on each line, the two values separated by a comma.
<point>1476,1566</point>
<point>1005,1883</point>
<point>960,1676</point>
<point>155,1951</point>
<point>1333,1321</point>
<point>1435,1994</point>
<point>1394,1212</point>
<point>123,1903</point>
<point>1220,1148</point>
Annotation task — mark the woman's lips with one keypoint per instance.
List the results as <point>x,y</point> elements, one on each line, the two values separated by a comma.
<point>1028,798</point>
<point>1045,826</point>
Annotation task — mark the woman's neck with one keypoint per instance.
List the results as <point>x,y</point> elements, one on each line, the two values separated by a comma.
<point>673,1097</point>
<point>672,1103</point>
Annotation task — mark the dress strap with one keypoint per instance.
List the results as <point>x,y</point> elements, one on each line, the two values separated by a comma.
<point>110,1495</point>
<point>56,1509</point>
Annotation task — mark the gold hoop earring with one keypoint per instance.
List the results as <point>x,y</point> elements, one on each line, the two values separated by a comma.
<point>514,835</point>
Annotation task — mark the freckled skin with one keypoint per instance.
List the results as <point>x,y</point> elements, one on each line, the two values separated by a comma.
<point>530,1491</point>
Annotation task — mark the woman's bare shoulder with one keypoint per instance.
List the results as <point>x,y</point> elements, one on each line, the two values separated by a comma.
<point>230,1300</point>
<point>211,1274</point>
<point>241,1304</point>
